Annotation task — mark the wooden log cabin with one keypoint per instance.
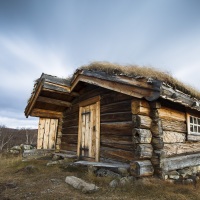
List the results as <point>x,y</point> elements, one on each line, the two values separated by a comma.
<point>112,113</point>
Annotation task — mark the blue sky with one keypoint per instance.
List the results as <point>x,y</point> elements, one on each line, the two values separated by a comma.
<point>56,37</point>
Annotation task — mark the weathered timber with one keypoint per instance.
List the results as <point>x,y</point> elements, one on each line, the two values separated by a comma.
<point>70,122</point>
<point>70,138</point>
<point>141,168</point>
<point>191,137</point>
<point>45,113</point>
<point>118,128</point>
<point>174,125</point>
<point>180,162</point>
<point>142,136</point>
<point>116,117</point>
<point>115,139</point>
<point>173,137</point>
<point>156,128</point>
<point>70,130</point>
<point>140,121</point>
<point>116,107</point>
<point>168,113</point>
<point>157,143</point>
<point>54,101</point>
<point>116,154</point>
<point>155,104</point>
<point>140,107</point>
<point>181,148</point>
<point>128,147</point>
<point>114,97</point>
<point>143,151</point>
<point>139,88</point>
<point>181,98</point>
<point>68,146</point>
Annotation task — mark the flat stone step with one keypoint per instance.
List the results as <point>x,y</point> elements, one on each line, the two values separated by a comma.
<point>101,164</point>
<point>65,155</point>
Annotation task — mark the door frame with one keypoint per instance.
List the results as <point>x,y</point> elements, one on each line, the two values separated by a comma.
<point>94,100</point>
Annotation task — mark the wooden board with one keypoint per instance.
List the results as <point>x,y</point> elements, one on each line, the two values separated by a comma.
<point>174,125</point>
<point>141,168</point>
<point>168,113</point>
<point>142,136</point>
<point>180,162</point>
<point>181,148</point>
<point>140,121</point>
<point>47,131</point>
<point>173,137</point>
<point>140,107</point>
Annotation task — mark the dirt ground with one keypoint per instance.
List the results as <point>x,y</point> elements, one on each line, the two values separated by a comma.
<point>34,180</point>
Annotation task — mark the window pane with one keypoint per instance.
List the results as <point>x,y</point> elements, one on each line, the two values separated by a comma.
<point>195,120</point>
<point>191,119</point>
<point>191,128</point>
<point>198,129</point>
<point>198,121</point>
<point>195,128</point>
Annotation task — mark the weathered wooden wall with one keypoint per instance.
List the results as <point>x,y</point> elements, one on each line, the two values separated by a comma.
<point>115,124</point>
<point>47,131</point>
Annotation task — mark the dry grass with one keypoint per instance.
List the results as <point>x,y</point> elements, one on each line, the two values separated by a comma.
<point>138,71</point>
<point>16,182</point>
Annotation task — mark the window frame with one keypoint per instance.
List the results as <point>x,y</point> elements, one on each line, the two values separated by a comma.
<point>193,121</point>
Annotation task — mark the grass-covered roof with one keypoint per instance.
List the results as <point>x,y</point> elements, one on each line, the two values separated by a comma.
<point>138,71</point>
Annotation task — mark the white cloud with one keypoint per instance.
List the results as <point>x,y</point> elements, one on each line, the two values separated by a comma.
<point>19,123</point>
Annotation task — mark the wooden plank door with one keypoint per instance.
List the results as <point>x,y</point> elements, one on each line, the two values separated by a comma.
<point>47,130</point>
<point>88,144</point>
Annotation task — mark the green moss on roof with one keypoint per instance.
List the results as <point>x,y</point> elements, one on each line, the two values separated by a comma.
<point>148,72</point>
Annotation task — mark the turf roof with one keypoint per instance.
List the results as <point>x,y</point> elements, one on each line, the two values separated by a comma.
<point>138,71</point>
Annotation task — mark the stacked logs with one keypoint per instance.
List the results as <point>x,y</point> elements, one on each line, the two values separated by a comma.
<point>142,138</point>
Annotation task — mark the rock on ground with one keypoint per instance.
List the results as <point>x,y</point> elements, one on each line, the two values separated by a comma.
<point>81,184</point>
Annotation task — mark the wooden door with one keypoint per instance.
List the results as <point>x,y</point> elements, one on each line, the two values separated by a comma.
<point>88,142</point>
<point>47,130</point>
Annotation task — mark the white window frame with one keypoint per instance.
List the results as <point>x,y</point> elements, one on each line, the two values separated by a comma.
<point>193,124</point>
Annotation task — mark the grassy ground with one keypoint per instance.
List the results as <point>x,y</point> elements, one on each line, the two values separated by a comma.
<point>34,180</point>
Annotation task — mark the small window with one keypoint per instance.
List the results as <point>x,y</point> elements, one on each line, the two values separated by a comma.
<point>194,125</point>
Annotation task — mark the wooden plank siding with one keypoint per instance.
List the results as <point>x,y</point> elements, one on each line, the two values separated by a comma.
<point>115,124</point>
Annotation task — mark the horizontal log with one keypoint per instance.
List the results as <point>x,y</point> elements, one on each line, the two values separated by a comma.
<point>116,154</point>
<point>129,147</point>
<point>174,125</point>
<point>54,101</point>
<point>173,137</point>
<point>46,113</point>
<point>143,151</point>
<point>142,136</point>
<point>141,168</point>
<point>115,139</point>
<point>71,122</point>
<point>140,107</point>
<point>191,137</point>
<point>116,107</point>
<point>180,162</point>
<point>70,130</point>
<point>140,121</point>
<point>68,147</point>
<point>118,128</point>
<point>168,113</point>
<point>180,148</point>
<point>116,117</point>
<point>72,138</point>
<point>114,97</point>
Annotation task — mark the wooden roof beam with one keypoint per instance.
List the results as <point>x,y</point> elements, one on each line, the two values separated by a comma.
<point>54,101</point>
<point>46,113</point>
